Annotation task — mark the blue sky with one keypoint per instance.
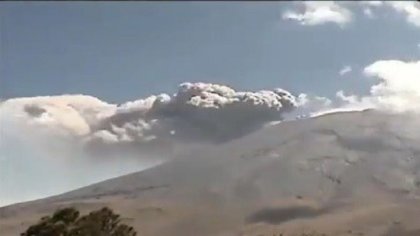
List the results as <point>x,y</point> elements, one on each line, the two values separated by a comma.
<point>120,51</point>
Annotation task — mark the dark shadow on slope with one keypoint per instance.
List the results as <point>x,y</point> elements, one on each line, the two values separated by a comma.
<point>280,215</point>
<point>398,230</point>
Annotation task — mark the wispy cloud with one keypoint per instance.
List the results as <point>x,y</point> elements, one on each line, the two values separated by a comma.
<point>340,13</point>
<point>318,13</point>
<point>410,9</point>
<point>345,70</point>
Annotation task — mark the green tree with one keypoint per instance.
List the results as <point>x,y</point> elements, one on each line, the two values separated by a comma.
<point>66,222</point>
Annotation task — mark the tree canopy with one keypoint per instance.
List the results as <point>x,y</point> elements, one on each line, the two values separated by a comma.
<point>68,222</point>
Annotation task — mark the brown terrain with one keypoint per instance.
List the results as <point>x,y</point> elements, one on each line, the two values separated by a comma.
<point>354,173</point>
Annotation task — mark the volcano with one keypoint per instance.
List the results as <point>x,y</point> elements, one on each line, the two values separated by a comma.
<point>347,173</point>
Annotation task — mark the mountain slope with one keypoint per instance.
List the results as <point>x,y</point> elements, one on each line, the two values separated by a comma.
<point>345,171</point>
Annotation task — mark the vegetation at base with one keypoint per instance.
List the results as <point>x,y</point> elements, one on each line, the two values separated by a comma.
<point>68,222</point>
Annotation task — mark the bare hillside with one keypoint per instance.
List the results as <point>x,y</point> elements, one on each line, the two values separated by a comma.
<point>354,173</point>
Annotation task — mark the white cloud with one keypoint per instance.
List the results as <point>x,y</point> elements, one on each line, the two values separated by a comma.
<point>368,6</point>
<point>399,84</point>
<point>317,13</point>
<point>374,3</point>
<point>371,3</point>
<point>310,105</point>
<point>312,101</point>
<point>397,89</point>
<point>411,10</point>
<point>322,12</point>
<point>345,70</point>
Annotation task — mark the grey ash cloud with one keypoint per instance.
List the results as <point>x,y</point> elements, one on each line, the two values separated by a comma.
<point>196,112</point>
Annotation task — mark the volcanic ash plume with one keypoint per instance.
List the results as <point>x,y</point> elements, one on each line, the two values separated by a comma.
<point>200,112</point>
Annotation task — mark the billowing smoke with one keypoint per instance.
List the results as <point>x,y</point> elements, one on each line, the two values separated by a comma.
<point>65,115</point>
<point>197,112</point>
<point>41,155</point>
<point>87,140</point>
